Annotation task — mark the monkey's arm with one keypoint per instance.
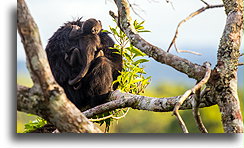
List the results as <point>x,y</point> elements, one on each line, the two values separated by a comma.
<point>75,32</point>
<point>86,58</point>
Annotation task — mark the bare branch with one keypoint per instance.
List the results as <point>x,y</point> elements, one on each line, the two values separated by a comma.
<point>196,113</point>
<point>240,64</point>
<point>132,8</point>
<point>205,2</point>
<point>188,93</point>
<point>183,65</point>
<point>112,116</point>
<point>195,88</point>
<point>173,42</point>
<point>186,51</point>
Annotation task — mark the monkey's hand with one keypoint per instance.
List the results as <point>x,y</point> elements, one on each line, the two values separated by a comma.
<point>75,32</point>
<point>99,53</point>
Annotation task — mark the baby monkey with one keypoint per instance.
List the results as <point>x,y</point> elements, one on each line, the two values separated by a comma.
<point>86,34</point>
<point>88,47</point>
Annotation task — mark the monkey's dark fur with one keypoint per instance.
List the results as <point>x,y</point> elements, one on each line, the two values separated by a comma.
<point>103,68</point>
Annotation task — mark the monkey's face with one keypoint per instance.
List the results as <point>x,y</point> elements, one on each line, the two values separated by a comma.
<point>92,26</point>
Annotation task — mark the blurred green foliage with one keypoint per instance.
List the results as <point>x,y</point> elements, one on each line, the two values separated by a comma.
<point>34,124</point>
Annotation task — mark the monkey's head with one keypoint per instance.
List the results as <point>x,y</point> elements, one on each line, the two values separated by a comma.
<point>91,26</point>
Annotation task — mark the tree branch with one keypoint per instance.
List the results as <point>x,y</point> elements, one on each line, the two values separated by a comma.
<point>123,100</point>
<point>197,87</point>
<point>125,23</point>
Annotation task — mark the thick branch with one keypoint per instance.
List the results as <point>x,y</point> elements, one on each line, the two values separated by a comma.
<point>228,56</point>
<point>26,100</point>
<point>122,100</point>
<point>46,98</point>
<point>59,111</point>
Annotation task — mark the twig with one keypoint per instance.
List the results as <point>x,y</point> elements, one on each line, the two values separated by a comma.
<point>181,122</point>
<point>241,54</point>
<point>205,2</point>
<point>111,116</point>
<point>117,118</point>
<point>132,8</point>
<point>111,13</point>
<point>196,113</point>
<point>188,93</point>
<point>187,51</point>
<point>186,19</point>
<point>240,64</point>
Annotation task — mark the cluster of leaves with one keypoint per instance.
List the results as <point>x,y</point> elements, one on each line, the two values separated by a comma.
<point>35,124</point>
<point>132,78</point>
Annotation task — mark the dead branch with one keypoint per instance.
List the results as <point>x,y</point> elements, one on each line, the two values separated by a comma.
<point>173,42</point>
<point>132,6</point>
<point>188,93</point>
<point>240,64</point>
<point>196,113</point>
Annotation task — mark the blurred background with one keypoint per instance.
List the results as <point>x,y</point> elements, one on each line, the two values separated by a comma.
<point>201,34</point>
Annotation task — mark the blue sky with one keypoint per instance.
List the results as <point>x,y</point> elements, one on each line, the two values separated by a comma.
<point>201,32</point>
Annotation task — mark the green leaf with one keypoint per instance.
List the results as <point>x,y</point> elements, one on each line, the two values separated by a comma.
<point>137,52</point>
<point>105,30</point>
<point>143,31</point>
<point>137,80</point>
<point>140,61</point>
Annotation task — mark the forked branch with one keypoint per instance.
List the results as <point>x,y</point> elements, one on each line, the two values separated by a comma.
<point>198,86</point>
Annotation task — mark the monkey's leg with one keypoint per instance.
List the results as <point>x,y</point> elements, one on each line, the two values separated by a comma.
<point>74,58</point>
<point>98,54</point>
<point>98,81</point>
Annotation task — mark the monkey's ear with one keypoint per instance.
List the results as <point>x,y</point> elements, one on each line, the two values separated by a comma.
<point>94,30</point>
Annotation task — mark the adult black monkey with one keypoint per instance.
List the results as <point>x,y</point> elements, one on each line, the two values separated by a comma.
<point>95,82</point>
